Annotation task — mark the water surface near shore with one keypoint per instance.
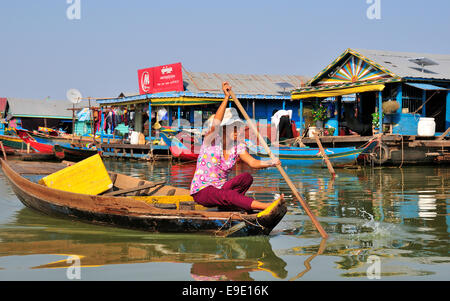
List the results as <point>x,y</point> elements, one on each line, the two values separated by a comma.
<point>388,222</point>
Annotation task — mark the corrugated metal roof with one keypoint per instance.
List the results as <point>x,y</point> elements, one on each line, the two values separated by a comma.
<point>127,94</point>
<point>242,83</point>
<point>22,107</point>
<point>209,85</point>
<point>398,63</point>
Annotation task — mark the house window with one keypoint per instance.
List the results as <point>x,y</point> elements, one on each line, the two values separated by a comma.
<point>412,99</point>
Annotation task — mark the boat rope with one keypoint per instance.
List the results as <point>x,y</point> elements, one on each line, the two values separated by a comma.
<point>375,137</point>
<point>240,216</point>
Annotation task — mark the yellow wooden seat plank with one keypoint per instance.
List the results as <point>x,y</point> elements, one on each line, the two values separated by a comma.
<point>169,199</point>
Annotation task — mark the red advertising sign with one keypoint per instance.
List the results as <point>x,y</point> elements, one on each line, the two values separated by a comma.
<point>166,78</point>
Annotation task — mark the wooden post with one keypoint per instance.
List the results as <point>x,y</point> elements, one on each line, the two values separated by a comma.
<point>92,121</point>
<point>179,117</point>
<point>447,110</point>
<point>102,123</point>
<point>300,116</point>
<point>280,169</point>
<point>73,121</point>
<point>150,122</point>
<point>424,101</point>
<point>253,110</point>
<point>380,110</point>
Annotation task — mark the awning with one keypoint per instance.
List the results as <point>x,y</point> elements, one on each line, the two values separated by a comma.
<point>333,92</point>
<point>426,86</point>
<point>183,101</point>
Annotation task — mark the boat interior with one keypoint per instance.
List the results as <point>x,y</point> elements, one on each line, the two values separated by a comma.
<point>156,193</point>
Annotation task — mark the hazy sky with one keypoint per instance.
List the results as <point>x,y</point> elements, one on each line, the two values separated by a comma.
<point>43,53</point>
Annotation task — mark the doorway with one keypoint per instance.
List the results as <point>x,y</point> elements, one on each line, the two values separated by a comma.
<point>436,108</point>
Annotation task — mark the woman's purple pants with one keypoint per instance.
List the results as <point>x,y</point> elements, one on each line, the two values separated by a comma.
<point>231,195</point>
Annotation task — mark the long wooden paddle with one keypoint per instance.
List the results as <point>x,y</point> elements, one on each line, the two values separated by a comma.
<point>3,150</point>
<point>280,169</point>
<point>324,155</point>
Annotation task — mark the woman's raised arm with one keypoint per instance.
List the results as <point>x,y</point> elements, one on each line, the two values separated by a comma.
<point>218,117</point>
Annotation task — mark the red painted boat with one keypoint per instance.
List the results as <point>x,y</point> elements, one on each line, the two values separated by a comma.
<point>184,151</point>
<point>37,146</point>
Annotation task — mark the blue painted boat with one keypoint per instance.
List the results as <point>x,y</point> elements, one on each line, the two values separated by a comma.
<point>62,141</point>
<point>311,157</point>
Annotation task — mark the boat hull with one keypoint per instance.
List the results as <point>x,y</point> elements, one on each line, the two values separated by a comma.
<point>36,156</point>
<point>133,214</point>
<point>12,142</point>
<point>73,154</point>
<point>37,146</point>
<point>310,157</point>
<point>182,151</point>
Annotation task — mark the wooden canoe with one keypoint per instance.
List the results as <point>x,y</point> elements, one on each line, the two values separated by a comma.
<point>35,156</point>
<point>73,154</point>
<point>141,213</point>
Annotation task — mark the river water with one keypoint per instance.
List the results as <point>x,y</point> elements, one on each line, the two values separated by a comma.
<point>384,223</point>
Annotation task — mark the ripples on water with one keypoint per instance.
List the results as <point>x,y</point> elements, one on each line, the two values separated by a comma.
<point>399,215</point>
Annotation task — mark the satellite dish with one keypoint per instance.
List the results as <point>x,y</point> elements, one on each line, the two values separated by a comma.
<point>74,96</point>
<point>284,86</point>
<point>423,62</point>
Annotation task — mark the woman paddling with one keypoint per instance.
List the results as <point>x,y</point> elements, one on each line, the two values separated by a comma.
<point>218,154</point>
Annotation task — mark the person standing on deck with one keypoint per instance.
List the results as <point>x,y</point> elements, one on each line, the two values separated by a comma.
<point>218,154</point>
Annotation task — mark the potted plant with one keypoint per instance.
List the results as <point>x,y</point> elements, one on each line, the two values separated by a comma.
<point>319,115</point>
<point>329,131</point>
<point>376,121</point>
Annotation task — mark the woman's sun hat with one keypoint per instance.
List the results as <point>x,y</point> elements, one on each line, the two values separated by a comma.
<point>231,117</point>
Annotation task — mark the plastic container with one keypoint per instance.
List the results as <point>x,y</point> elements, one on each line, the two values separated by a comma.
<point>134,137</point>
<point>312,129</point>
<point>426,127</point>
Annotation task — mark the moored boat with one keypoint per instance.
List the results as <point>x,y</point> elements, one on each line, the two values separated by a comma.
<point>74,154</point>
<point>311,157</point>
<point>35,156</point>
<point>35,145</point>
<point>154,207</point>
<point>66,140</point>
<point>13,142</point>
<point>184,151</point>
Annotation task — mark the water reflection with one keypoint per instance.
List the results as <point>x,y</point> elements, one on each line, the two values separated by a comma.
<point>400,215</point>
<point>307,262</point>
<point>211,258</point>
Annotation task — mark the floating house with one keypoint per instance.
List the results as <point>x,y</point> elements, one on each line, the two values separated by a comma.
<point>409,91</point>
<point>190,106</point>
<point>259,94</point>
<point>418,82</point>
<point>31,114</point>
